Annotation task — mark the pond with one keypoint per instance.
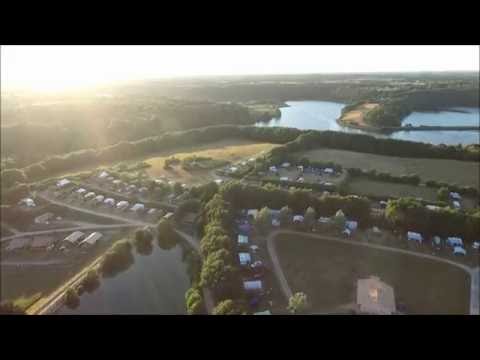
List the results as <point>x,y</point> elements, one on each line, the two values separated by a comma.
<point>153,284</point>
<point>322,115</point>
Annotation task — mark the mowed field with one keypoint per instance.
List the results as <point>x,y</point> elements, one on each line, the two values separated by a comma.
<point>232,150</point>
<point>464,173</point>
<point>328,272</point>
<point>362,186</point>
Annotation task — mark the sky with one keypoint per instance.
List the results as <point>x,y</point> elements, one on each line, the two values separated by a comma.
<point>53,68</point>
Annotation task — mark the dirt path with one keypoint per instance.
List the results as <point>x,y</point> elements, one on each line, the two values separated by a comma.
<point>474,273</point>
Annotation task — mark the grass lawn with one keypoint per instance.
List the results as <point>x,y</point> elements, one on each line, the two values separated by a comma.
<point>229,150</point>
<point>362,186</point>
<point>463,173</point>
<point>327,272</point>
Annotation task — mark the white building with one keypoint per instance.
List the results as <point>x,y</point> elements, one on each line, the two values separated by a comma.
<point>414,236</point>
<point>91,239</point>
<point>73,238</point>
<point>244,258</point>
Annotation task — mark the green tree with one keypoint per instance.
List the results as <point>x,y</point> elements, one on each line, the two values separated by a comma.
<point>443,194</point>
<point>217,269</point>
<point>285,216</point>
<point>71,298</point>
<point>194,301</point>
<point>91,281</point>
<point>264,219</point>
<point>10,177</point>
<point>229,307</point>
<point>298,303</point>
<point>167,236</point>
<point>310,217</point>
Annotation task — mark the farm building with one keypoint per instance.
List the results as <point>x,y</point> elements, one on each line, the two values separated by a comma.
<point>454,241</point>
<point>91,239</point>
<point>73,238</point>
<point>17,244</point>
<point>44,218</point>
<point>137,207</point>
<point>375,297</point>
<point>122,205</point>
<point>244,258</point>
<point>109,202</point>
<point>63,183</point>
<point>414,236</point>
<point>42,242</point>
<point>27,202</point>
<point>252,285</point>
<point>242,239</point>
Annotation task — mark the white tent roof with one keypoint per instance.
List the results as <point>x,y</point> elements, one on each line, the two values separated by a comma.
<point>73,237</point>
<point>137,207</point>
<point>459,250</point>
<point>122,204</point>
<point>99,198</point>
<point>252,285</point>
<point>63,182</point>
<point>411,235</point>
<point>110,201</point>
<point>298,218</point>
<point>81,191</point>
<point>92,238</point>
<point>90,194</point>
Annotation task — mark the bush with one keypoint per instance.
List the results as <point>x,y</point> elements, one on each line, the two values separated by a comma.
<point>119,258</point>
<point>91,281</point>
<point>194,301</point>
<point>229,307</point>
<point>71,298</point>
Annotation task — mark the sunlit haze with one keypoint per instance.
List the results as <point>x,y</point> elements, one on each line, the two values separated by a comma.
<point>48,68</point>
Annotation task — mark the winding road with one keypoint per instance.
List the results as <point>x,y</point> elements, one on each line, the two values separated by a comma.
<point>287,291</point>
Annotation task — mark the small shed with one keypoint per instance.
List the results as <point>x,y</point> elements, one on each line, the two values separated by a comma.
<point>414,236</point>
<point>244,258</point>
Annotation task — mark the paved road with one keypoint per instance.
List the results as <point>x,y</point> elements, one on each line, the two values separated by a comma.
<point>474,273</point>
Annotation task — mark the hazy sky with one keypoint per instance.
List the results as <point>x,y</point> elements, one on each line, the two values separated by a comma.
<point>61,67</point>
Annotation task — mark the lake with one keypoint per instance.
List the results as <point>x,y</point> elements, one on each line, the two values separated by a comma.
<point>154,284</point>
<point>322,115</point>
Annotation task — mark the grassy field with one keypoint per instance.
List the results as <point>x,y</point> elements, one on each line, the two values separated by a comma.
<point>463,173</point>
<point>327,272</point>
<point>362,186</point>
<point>230,150</point>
